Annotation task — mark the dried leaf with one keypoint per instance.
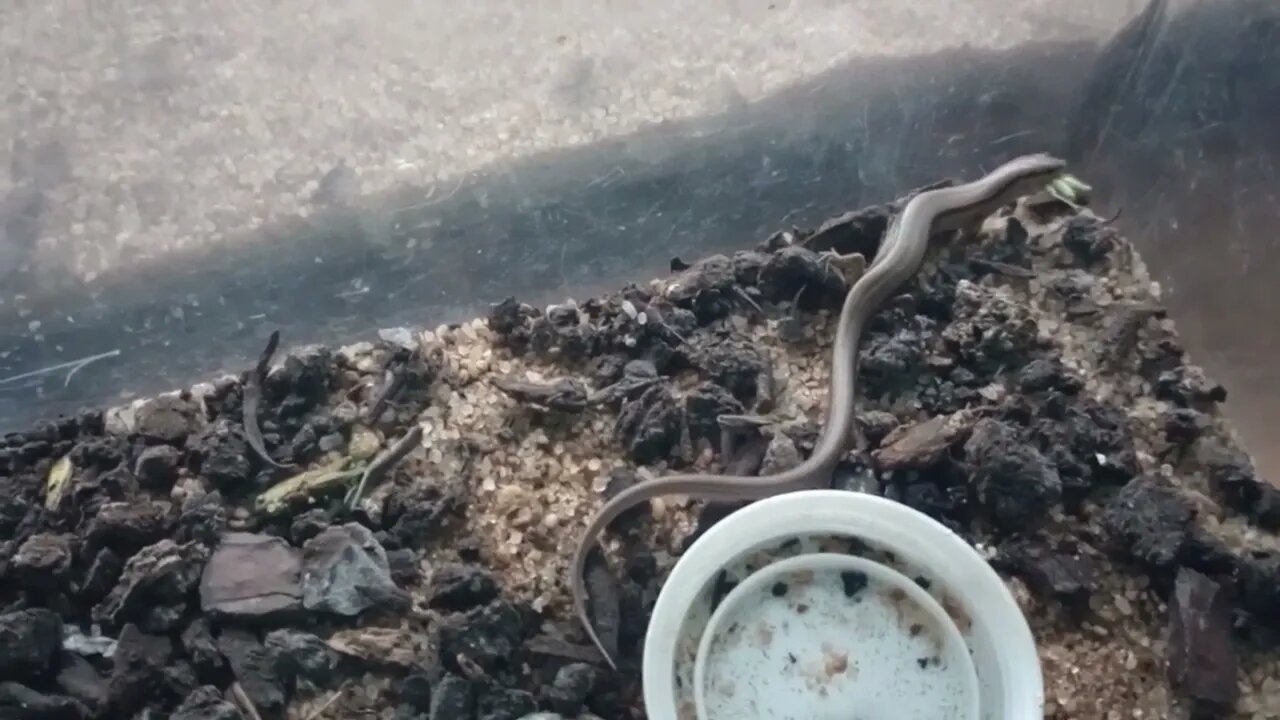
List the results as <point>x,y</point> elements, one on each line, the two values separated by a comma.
<point>393,646</point>
<point>304,486</point>
<point>922,444</point>
<point>57,482</point>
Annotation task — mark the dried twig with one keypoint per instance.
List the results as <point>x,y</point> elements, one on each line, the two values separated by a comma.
<point>383,464</point>
<point>737,289</point>
<point>247,708</point>
<point>327,703</point>
<point>392,380</point>
<point>253,398</point>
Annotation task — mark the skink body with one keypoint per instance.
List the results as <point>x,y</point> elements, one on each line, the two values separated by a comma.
<point>899,258</point>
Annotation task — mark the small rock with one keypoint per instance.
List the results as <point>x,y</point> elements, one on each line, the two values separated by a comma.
<point>632,379</point>
<point>1183,425</point>
<point>203,519</point>
<point>1202,658</point>
<point>154,586</point>
<point>29,640</point>
<point>125,527</point>
<point>1065,577</point>
<point>893,360</point>
<point>1016,483</point>
<point>1259,586</point>
<point>43,560</point>
<point>200,647</point>
<point>1044,374</point>
<point>137,674</point>
<point>876,425</point>
<point>405,565</point>
<point>989,331</point>
<point>308,525</point>
<point>255,668</point>
<point>101,575</point>
<point>650,426</point>
<point>415,690</point>
<point>453,699</point>
<point>302,659</point>
<point>344,414</point>
<point>1150,521</point>
<point>1088,239</point>
<point>937,502</point>
<point>705,288</point>
<point>90,492</point>
<point>331,442</point>
<point>703,405</point>
<point>79,643</point>
<point>617,480</point>
<point>1088,442</point>
<point>458,587</point>
<point>509,320</point>
<point>303,380</point>
<point>856,476</point>
<point>780,455</point>
<point>167,419</point>
<point>157,467</point>
<point>1232,475</point>
<point>101,454</point>
<point>345,571</point>
<point>180,679</point>
<point>1189,386</point>
<point>305,445</point>
<point>252,575</point>
<point>19,702</point>
<point>572,686</point>
<point>794,269</point>
<point>416,516</point>
<point>605,370</point>
<point>206,703</point>
<point>737,367</point>
<point>223,456</point>
<point>504,704</point>
<point>401,336</point>
<point>15,504</point>
<point>78,679</point>
<point>487,636</point>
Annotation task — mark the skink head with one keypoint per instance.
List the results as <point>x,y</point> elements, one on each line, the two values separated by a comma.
<point>1026,175</point>
<point>1023,175</point>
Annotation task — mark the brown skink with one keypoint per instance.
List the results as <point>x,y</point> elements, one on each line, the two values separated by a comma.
<point>897,260</point>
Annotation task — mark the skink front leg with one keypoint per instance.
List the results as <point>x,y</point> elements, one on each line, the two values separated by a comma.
<point>850,266</point>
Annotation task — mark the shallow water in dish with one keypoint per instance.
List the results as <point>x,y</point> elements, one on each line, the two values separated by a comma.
<point>838,641</point>
<point>742,567</point>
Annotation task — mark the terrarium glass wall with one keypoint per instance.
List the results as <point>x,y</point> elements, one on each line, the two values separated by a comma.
<point>180,179</point>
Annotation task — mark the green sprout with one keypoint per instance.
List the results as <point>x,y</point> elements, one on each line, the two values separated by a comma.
<point>1070,190</point>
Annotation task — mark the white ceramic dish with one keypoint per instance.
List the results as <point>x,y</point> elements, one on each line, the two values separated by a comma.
<point>999,641</point>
